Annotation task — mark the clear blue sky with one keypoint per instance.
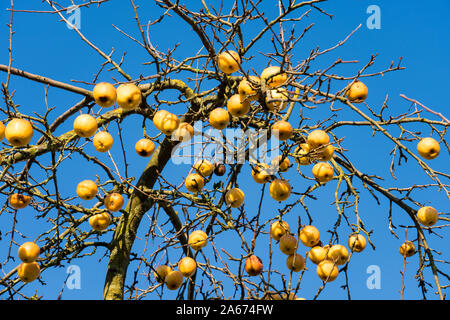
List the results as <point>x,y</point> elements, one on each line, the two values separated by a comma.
<point>417,31</point>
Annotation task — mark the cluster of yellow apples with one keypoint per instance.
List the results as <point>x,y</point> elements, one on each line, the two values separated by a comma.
<point>279,189</point>
<point>317,149</point>
<point>173,279</point>
<point>29,269</point>
<point>169,124</point>
<point>19,133</point>
<point>195,181</point>
<point>113,202</point>
<point>166,122</point>
<point>128,96</point>
<point>187,266</point>
<point>85,126</point>
<point>427,216</point>
<point>428,148</point>
<point>249,89</point>
<point>327,258</point>
<point>238,105</point>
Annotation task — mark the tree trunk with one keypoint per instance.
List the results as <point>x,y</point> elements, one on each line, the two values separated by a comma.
<point>129,222</point>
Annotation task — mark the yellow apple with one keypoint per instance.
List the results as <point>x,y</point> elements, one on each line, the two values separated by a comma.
<point>219,169</point>
<point>234,197</point>
<point>194,182</point>
<point>323,172</point>
<point>282,130</point>
<point>279,229</point>
<point>28,272</point>
<point>283,164</point>
<point>427,216</point>
<point>428,148</point>
<point>357,92</point>
<point>87,189</point>
<point>295,262</point>
<point>288,244</point>
<point>260,173</point>
<point>128,96</point>
<point>29,252</point>
<point>104,94</point>
<point>280,189</point>
<point>253,265</point>
<point>187,266</point>
<point>302,157</point>
<point>161,272</point>
<point>273,76</point>
<point>114,201</point>
<point>219,118</point>
<point>144,147</point>
<point>198,239</point>
<point>100,221</point>
<point>184,132</point>
<point>85,125</point>
<point>338,253</point>
<point>19,132</point>
<point>327,271</point>
<point>228,61</point>
<point>317,254</point>
<point>238,107</point>
<point>309,236</point>
<point>19,201</point>
<point>325,154</point>
<point>276,99</point>
<point>357,242</point>
<point>2,131</point>
<point>103,141</point>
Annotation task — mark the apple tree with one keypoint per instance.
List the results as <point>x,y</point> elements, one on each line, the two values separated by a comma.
<point>221,166</point>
